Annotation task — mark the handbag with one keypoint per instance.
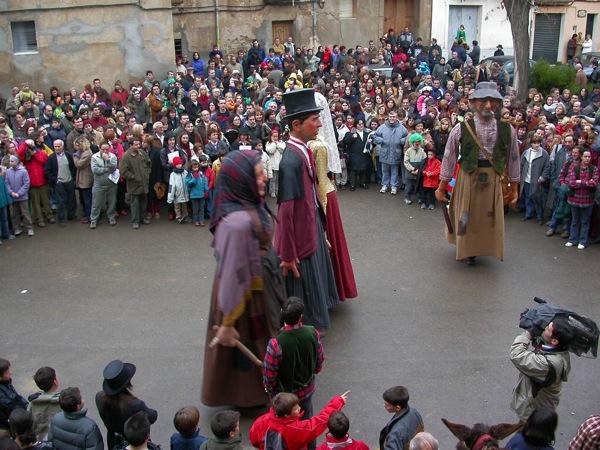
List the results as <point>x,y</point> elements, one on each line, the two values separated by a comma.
<point>160,189</point>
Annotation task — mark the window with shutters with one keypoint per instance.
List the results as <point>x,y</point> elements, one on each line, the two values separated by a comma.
<point>348,9</point>
<point>24,37</point>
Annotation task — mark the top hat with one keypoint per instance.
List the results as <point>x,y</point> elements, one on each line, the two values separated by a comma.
<point>299,103</point>
<point>117,376</point>
<point>486,89</point>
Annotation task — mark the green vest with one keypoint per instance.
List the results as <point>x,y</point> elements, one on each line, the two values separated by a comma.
<point>469,150</point>
<point>299,358</point>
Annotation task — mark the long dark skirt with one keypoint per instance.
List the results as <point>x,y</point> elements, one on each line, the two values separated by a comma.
<point>316,285</point>
<point>230,378</point>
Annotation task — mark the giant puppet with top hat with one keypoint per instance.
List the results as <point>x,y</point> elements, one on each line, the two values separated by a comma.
<point>299,237</point>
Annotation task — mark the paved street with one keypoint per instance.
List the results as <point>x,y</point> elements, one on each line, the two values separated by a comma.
<point>441,328</point>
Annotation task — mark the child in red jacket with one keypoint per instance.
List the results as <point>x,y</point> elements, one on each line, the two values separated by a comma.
<point>431,179</point>
<point>338,437</point>
<point>283,420</point>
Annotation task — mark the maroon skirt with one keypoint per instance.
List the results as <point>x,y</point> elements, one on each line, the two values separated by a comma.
<point>340,258</point>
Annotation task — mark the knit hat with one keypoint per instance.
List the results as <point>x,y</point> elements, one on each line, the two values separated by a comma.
<point>415,137</point>
<point>15,158</point>
<point>176,161</point>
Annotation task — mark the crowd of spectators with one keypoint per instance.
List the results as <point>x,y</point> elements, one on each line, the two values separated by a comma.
<point>55,418</point>
<point>203,109</point>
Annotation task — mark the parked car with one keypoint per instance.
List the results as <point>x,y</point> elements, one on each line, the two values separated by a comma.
<point>509,64</point>
<point>386,70</point>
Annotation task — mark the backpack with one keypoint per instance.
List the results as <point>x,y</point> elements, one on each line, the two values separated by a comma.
<point>274,441</point>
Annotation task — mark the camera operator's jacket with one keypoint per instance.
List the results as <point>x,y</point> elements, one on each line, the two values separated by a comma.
<point>542,373</point>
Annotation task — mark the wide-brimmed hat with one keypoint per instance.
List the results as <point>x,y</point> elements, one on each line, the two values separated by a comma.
<point>117,376</point>
<point>300,102</point>
<point>486,89</point>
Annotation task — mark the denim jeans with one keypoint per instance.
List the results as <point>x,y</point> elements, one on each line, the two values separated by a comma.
<point>580,225</point>
<point>533,203</point>
<point>4,218</point>
<point>85,198</point>
<point>198,209</point>
<point>389,175</point>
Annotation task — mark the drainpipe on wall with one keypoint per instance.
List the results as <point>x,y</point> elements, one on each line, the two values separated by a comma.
<point>315,8</point>
<point>218,28</point>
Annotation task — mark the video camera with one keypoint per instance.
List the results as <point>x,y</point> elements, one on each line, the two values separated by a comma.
<point>585,330</point>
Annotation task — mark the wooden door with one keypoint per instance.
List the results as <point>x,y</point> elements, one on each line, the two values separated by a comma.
<point>283,29</point>
<point>397,15</point>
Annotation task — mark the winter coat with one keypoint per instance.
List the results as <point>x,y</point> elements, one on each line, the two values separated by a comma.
<point>358,159</point>
<point>136,170</point>
<point>51,168</point>
<point>181,442</point>
<point>9,398</point>
<point>215,443</point>
<point>296,433</point>
<point>43,406</point>
<point>434,167</point>
<point>540,170</point>
<point>178,192</point>
<point>115,421</point>
<point>399,431</point>
<point>75,431</point>
<point>17,180</point>
<point>34,163</point>
<point>102,169</point>
<point>345,443</point>
<point>213,150</point>
<point>392,139</point>
<point>142,110</point>
<point>167,167</point>
<point>275,151</point>
<point>517,442</point>
<point>197,186</point>
<point>540,366</point>
<point>5,198</point>
<point>414,156</point>
<point>83,161</point>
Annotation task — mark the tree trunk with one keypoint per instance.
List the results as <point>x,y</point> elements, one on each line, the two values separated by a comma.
<point>518,16</point>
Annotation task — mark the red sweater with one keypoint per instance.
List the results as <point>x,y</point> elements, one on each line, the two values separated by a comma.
<point>34,164</point>
<point>296,433</point>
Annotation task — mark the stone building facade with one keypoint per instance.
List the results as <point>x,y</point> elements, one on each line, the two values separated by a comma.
<point>70,42</point>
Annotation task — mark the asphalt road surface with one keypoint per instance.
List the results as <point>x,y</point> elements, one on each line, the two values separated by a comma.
<point>74,299</point>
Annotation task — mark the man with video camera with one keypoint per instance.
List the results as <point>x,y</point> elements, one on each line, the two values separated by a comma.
<point>542,369</point>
